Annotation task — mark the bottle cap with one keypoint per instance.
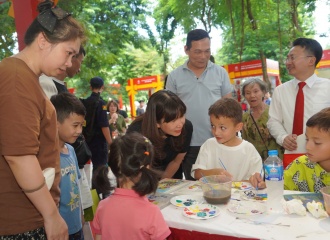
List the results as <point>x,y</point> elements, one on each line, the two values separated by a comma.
<point>272,152</point>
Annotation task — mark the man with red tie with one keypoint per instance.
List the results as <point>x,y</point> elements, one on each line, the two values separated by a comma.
<point>295,101</point>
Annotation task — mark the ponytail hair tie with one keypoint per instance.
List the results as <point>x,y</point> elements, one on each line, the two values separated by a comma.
<point>146,153</point>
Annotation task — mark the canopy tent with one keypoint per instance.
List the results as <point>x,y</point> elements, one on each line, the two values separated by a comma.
<point>323,68</point>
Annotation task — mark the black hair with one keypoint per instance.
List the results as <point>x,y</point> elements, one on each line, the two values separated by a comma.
<point>162,105</point>
<point>320,120</point>
<point>227,107</point>
<point>66,104</point>
<point>212,59</point>
<point>195,35</point>
<point>114,102</point>
<point>130,157</point>
<point>312,46</point>
<point>82,51</point>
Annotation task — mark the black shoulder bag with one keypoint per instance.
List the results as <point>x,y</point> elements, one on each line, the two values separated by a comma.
<point>82,150</point>
<point>254,121</point>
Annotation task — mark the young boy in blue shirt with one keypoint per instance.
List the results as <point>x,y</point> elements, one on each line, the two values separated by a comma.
<point>70,118</point>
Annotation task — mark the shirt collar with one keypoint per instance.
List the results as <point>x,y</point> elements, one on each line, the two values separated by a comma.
<point>129,193</point>
<point>309,81</point>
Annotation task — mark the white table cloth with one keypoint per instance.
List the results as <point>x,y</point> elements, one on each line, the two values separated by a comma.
<point>263,226</point>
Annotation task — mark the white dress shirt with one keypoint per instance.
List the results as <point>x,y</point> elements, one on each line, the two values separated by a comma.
<point>47,84</point>
<point>281,112</point>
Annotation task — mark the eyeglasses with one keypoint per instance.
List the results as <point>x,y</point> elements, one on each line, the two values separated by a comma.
<point>293,58</point>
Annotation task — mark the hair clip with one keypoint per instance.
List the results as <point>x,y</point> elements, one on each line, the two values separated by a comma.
<point>146,153</point>
<point>49,15</point>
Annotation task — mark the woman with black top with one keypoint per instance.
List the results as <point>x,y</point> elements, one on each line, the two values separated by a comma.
<point>164,123</point>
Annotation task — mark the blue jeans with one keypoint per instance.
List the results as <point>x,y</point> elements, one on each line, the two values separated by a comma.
<point>77,236</point>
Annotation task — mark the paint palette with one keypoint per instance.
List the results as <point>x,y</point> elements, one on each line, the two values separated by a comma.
<point>241,185</point>
<point>201,211</point>
<point>161,200</point>
<point>251,195</point>
<point>186,200</point>
<point>248,208</point>
<point>169,185</point>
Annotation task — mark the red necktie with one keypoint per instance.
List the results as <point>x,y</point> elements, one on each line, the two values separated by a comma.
<point>298,120</point>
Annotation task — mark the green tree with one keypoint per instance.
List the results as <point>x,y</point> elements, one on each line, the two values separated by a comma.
<point>8,37</point>
<point>260,32</point>
<point>252,29</point>
<point>110,25</point>
<point>165,25</point>
<point>135,63</point>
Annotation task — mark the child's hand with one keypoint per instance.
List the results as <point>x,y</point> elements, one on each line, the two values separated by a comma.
<point>220,171</point>
<point>257,181</point>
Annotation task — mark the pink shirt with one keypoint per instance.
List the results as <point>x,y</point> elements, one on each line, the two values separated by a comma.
<point>126,215</point>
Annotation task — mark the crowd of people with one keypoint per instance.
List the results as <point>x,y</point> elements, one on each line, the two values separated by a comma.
<point>190,130</point>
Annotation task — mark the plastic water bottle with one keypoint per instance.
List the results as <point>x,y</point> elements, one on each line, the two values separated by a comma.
<point>274,182</point>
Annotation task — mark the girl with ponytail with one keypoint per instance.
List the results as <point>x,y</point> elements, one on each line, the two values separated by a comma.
<point>127,213</point>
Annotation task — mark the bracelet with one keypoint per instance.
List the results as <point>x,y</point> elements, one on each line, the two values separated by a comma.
<point>35,189</point>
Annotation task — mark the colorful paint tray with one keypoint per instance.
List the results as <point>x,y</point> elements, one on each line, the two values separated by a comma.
<point>201,211</point>
<point>186,200</point>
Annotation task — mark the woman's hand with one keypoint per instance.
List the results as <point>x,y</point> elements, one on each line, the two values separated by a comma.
<point>56,228</point>
<point>113,118</point>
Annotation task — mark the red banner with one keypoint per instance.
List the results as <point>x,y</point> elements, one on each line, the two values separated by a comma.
<point>144,80</point>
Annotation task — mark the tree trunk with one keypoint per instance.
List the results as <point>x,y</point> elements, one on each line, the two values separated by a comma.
<point>264,68</point>
<point>232,22</point>
<point>250,15</point>
<point>242,32</point>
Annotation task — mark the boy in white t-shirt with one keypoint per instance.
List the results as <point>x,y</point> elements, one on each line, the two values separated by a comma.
<point>226,153</point>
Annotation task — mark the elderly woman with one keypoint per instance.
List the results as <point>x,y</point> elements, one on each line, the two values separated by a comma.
<point>255,119</point>
<point>117,122</point>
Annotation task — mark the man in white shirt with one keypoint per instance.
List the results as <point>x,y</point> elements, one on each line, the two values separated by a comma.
<point>300,63</point>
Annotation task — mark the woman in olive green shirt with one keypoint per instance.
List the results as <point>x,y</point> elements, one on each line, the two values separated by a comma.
<point>255,119</point>
<point>117,122</point>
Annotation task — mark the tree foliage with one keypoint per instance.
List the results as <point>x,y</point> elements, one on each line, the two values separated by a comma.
<point>252,29</point>
<point>8,37</point>
<point>117,49</point>
<point>110,26</point>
